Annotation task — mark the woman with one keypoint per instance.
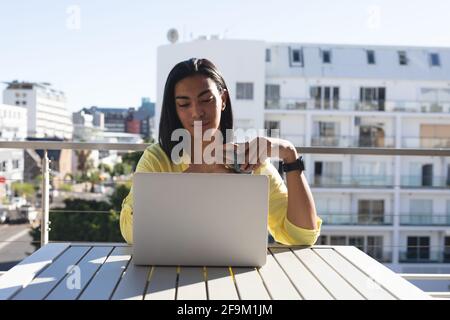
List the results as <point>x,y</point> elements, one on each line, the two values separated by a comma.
<point>196,100</point>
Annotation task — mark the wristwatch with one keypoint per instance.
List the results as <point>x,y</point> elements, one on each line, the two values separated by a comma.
<point>296,165</point>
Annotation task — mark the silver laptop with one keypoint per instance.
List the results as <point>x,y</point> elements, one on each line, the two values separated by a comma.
<point>200,219</point>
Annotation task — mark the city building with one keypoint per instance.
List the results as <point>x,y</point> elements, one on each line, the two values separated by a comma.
<point>47,112</point>
<point>395,208</point>
<point>128,120</point>
<point>13,127</point>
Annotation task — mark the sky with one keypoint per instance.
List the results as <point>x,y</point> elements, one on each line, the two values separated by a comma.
<point>103,52</point>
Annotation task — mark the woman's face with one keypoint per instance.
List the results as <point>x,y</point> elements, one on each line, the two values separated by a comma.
<point>197,98</point>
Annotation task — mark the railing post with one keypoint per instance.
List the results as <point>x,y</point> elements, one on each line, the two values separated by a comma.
<point>45,199</point>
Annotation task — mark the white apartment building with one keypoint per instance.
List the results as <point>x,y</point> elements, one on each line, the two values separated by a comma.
<point>13,127</point>
<point>47,112</point>
<point>397,209</point>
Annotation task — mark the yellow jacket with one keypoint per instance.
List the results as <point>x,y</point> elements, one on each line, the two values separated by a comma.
<point>154,159</point>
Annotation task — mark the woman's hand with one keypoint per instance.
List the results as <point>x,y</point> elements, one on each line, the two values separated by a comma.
<point>252,154</point>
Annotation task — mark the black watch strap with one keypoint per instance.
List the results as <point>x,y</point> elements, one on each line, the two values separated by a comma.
<point>296,165</point>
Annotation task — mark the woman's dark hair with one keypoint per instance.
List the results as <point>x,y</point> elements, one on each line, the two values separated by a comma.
<point>169,118</point>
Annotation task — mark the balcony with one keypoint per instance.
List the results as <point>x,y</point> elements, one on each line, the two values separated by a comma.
<point>342,219</point>
<point>421,142</point>
<point>357,105</point>
<point>424,255</point>
<point>353,141</point>
<point>380,254</point>
<point>424,219</point>
<point>353,181</point>
<point>424,182</point>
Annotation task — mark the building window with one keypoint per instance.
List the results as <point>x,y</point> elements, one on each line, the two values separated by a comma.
<point>338,240</point>
<point>244,90</point>
<point>370,57</point>
<point>268,55</point>
<point>370,211</point>
<point>296,57</point>
<point>372,99</point>
<point>418,249</point>
<point>375,248</point>
<point>272,96</point>
<point>16,164</point>
<point>326,56</point>
<point>322,241</point>
<point>325,97</point>
<point>24,102</point>
<point>402,58</point>
<point>447,249</point>
<point>420,212</point>
<point>327,173</point>
<point>17,103</point>
<point>272,127</point>
<point>357,241</point>
<point>435,60</point>
<point>3,166</point>
<point>325,134</point>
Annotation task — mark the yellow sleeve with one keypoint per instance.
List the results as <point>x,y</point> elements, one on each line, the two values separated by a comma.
<point>282,230</point>
<point>147,163</point>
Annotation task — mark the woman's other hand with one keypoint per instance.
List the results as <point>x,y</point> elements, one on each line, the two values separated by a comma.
<point>250,155</point>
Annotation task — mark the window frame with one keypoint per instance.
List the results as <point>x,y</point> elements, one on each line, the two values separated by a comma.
<point>293,63</point>
<point>243,92</point>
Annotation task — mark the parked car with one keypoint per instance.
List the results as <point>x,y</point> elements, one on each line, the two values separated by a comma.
<point>28,213</point>
<point>3,216</point>
<point>17,202</point>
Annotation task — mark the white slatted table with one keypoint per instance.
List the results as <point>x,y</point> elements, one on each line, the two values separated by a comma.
<point>69,271</point>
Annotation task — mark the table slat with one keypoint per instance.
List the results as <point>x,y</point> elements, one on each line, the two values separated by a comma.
<point>88,266</point>
<point>329,278</point>
<point>392,282</point>
<point>105,280</point>
<point>41,286</point>
<point>162,284</point>
<point>191,284</point>
<point>362,282</point>
<point>220,284</point>
<point>278,284</point>
<point>305,282</point>
<point>250,284</point>
<point>23,273</point>
<point>133,283</point>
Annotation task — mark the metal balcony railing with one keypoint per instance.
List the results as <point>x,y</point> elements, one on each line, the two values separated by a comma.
<point>373,219</point>
<point>425,142</point>
<point>431,219</point>
<point>353,141</point>
<point>357,219</point>
<point>50,145</point>
<point>353,181</point>
<point>424,255</point>
<point>424,181</point>
<point>337,104</point>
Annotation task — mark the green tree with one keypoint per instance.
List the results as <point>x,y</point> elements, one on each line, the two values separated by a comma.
<point>87,220</point>
<point>132,159</point>
<point>94,179</point>
<point>121,169</point>
<point>103,167</point>
<point>120,192</point>
<point>23,189</point>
